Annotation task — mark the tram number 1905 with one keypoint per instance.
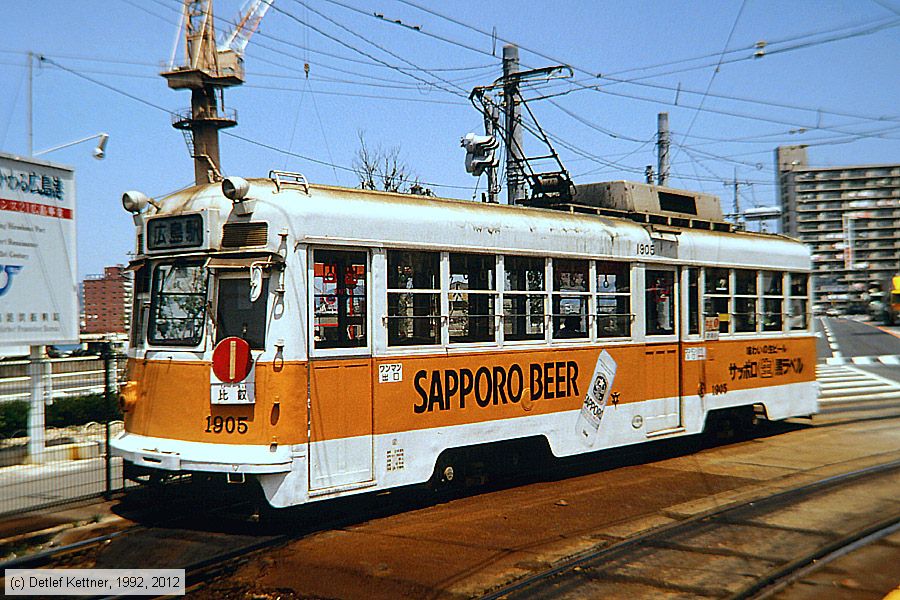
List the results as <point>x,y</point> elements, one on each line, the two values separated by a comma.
<point>646,249</point>
<point>218,424</point>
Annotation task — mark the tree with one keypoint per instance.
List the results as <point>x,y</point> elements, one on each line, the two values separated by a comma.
<point>380,169</point>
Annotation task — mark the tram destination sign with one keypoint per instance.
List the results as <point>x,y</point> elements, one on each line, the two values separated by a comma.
<point>38,285</point>
<point>172,233</point>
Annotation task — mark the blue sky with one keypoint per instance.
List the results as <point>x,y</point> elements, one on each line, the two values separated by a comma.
<point>830,78</point>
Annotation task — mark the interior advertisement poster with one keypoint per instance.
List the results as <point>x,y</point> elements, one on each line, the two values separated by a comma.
<point>38,286</point>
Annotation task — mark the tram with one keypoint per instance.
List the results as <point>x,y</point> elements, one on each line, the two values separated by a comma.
<point>326,341</point>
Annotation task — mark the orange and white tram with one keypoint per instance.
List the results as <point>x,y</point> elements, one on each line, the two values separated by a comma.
<point>325,341</point>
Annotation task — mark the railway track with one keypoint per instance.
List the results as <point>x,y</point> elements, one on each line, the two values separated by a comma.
<point>211,543</point>
<point>746,550</point>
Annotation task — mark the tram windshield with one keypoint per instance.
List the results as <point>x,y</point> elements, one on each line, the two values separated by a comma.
<point>178,304</point>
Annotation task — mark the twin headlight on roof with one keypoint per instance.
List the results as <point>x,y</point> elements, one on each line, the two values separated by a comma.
<point>234,188</point>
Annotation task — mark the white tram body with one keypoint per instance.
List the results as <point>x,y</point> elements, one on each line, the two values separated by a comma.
<point>384,330</point>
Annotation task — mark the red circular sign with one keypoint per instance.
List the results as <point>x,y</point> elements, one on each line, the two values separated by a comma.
<point>231,360</point>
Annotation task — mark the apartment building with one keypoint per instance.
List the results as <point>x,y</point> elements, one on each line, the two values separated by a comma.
<point>849,216</point>
<point>107,301</point>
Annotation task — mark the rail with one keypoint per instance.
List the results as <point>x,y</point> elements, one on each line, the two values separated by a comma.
<point>598,565</point>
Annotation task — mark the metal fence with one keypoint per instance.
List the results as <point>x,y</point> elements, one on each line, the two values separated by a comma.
<point>57,416</point>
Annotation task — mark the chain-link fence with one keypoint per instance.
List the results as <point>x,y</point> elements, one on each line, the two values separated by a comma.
<point>57,416</point>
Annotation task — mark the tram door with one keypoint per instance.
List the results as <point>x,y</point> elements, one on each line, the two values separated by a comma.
<point>340,394</point>
<point>663,372</point>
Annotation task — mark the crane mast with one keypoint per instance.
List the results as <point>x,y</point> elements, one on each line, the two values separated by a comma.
<point>207,71</point>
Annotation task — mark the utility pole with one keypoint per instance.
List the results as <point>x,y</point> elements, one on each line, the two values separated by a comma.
<point>30,104</point>
<point>491,116</point>
<point>38,367</point>
<point>515,187</point>
<point>662,146</point>
<point>737,199</point>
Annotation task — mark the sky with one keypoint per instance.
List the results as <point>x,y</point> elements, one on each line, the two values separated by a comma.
<point>828,75</point>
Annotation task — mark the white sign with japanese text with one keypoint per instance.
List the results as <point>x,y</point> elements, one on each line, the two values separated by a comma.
<point>38,285</point>
<point>239,392</point>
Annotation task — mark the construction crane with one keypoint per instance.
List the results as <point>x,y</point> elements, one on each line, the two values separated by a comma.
<point>209,69</point>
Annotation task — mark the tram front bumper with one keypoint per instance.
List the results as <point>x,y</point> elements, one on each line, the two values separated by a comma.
<point>177,455</point>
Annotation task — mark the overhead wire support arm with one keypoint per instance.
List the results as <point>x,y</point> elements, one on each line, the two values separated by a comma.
<point>552,185</point>
<point>519,168</point>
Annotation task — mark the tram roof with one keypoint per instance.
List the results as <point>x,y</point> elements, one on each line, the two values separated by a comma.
<point>320,214</point>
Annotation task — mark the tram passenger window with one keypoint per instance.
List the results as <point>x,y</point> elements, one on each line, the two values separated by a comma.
<point>237,316</point>
<point>339,299</point>
<point>613,299</point>
<point>523,298</point>
<point>659,290</point>
<point>773,300</point>
<point>799,317</point>
<point>693,301</point>
<point>744,300</point>
<point>414,287</point>
<point>570,298</point>
<point>473,295</point>
<point>718,297</point>
<point>178,304</point>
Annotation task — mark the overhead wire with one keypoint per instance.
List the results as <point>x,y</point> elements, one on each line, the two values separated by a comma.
<point>261,34</point>
<point>612,134</point>
<point>129,95</point>
<point>288,89</point>
<point>700,107</point>
<point>712,77</point>
<point>870,28</point>
<point>398,68</point>
<point>746,48</point>
<point>421,30</point>
<point>12,110</point>
<point>367,54</point>
<point>768,119</point>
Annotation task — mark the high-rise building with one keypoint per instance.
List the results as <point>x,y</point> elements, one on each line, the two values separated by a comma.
<point>849,216</point>
<point>107,301</point>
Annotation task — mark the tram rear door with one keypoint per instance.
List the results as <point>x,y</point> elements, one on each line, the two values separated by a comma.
<point>340,406</point>
<point>661,352</point>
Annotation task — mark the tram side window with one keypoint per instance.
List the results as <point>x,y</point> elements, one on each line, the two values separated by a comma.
<point>659,290</point>
<point>140,295</point>
<point>773,300</point>
<point>473,296</point>
<point>570,298</point>
<point>237,316</point>
<point>799,317</point>
<point>414,287</point>
<point>523,298</point>
<point>613,299</point>
<point>339,299</point>
<point>744,300</point>
<point>718,297</point>
<point>178,304</point>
